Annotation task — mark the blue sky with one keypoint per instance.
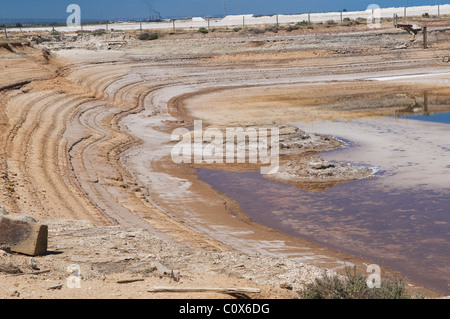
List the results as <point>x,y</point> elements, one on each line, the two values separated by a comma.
<point>141,9</point>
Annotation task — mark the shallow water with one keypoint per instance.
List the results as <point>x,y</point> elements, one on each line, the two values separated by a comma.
<point>399,219</point>
<point>436,117</point>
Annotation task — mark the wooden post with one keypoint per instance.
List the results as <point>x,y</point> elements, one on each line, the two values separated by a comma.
<point>341,17</point>
<point>425,101</point>
<point>209,25</point>
<point>174,29</point>
<point>140,26</point>
<point>6,33</point>
<point>277,19</point>
<point>405,13</point>
<point>309,18</point>
<point>425,38</point>
<point>243,22</point>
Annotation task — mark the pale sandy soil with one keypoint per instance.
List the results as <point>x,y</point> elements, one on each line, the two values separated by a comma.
<point>86,137</point>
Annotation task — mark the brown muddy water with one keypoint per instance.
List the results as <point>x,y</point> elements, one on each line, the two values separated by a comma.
<point>397,219</point>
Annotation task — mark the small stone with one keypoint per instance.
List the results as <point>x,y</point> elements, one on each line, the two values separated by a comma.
<point>33,264</point>
<point>239,266</point>
<point>286,286</point>
<point>3,211</point>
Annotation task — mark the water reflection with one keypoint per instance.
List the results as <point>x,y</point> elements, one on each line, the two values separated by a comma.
<point>428,107</point>
<point>407,230</point>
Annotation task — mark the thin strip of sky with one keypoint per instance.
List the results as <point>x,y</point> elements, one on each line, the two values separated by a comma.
<point>143,9</point>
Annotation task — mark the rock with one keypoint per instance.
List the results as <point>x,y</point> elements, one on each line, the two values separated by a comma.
<point>14,293</point>
<point>9,268</point>
<point>3,211</point>
<point>163,270</point>
<point>33,264</point>
<point>286,286</point>
<point>23,235</point>
<point>321,165</point>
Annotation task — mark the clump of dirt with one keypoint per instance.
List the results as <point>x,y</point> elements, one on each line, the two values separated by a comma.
<point>313,173</point>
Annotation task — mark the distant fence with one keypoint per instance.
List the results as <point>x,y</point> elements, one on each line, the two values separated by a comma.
<point>250,20</point>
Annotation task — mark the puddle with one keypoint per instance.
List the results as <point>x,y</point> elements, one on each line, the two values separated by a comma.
<point>437,117</point>
<point>398,219</point>
<point>427,107</point>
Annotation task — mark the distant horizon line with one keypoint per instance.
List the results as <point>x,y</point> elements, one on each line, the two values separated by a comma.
<point>29,20</point>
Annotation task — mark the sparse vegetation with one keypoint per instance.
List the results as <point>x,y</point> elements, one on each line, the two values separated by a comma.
<point>203,30</point>
<point>354,286</point>
<point>99,32</point>
<point>292,27</point>
<point>349,22</point>
<point>273,29</point>
<point>148,36</point>
<point>237,29</point>
<point>257,31</point>
<point>303,23</point>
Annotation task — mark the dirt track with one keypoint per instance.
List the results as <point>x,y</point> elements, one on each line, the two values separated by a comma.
<point>66,137</point>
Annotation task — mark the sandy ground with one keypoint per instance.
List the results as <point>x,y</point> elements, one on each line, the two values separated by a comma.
<point>86,139</point>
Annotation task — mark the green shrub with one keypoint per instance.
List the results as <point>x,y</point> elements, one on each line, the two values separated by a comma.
<point>237,29</point>
<point>303,23</point>
<point>273,29</point>
<point>98,32</point>
<point>354,286</point>
<point>148,36</point>
<point>292,27</point>
<point>203,30</point>
<point>257,31</point>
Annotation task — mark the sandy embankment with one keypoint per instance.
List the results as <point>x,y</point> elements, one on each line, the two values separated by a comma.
<point>68,151</point>
<point>61,143</point>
